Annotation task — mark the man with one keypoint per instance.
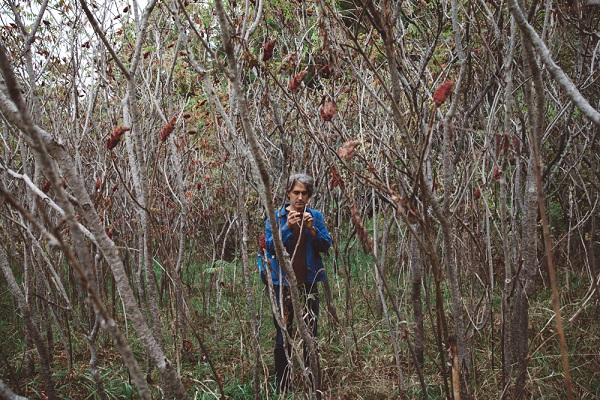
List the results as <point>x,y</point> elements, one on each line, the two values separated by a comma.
<point>304,237</point>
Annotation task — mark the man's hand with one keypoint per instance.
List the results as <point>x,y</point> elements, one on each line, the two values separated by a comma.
<point>309,224</point>
<point>297,219</point>
<point>308,220</point>
<point>294,219</point>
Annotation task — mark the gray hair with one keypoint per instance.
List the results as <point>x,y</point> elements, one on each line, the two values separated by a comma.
<point>305,179</point>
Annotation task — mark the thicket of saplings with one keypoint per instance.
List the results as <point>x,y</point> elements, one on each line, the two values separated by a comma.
<point>357,357</point>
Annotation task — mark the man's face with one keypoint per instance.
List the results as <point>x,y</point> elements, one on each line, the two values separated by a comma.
<point>298,196</point>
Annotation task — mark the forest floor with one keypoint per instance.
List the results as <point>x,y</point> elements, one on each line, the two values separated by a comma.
<point>357,357</point>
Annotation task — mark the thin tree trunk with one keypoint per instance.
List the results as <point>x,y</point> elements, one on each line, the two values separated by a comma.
<point>29,280</point>
<point>534,98</point>
<point>505,336</point>
<point>592,256</point>
<point>91,339</point>
<point>383,255</point>
<point>379,277</point>
<point>178,166</point>
<point>416,268</point>
<point>248,288</point>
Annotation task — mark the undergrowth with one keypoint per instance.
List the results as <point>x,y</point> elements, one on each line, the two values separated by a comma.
<point>357,357</point>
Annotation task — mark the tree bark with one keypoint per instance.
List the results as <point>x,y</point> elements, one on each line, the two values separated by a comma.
<point>416,269</point>
<point>534,98</point>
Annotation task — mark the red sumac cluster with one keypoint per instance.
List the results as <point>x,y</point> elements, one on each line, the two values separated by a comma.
<point>347,151</point>
<point>297,80</point>
<point>328,110</point>
<point>442,93</point>
<point>268,50</point>
<point>115,136</point>
<point>168,128</point>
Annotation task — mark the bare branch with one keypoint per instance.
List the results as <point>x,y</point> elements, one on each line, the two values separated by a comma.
<point>555,71</point>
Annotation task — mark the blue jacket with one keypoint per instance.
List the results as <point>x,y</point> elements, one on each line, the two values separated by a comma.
<point>315,272</point>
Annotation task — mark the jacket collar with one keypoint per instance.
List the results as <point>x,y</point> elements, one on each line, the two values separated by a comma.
<point>283,210</point>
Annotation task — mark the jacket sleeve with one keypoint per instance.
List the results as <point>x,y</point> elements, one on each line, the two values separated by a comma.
<point>322,241</point>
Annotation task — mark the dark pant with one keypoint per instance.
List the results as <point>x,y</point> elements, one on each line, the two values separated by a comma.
<point>309,296</point>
